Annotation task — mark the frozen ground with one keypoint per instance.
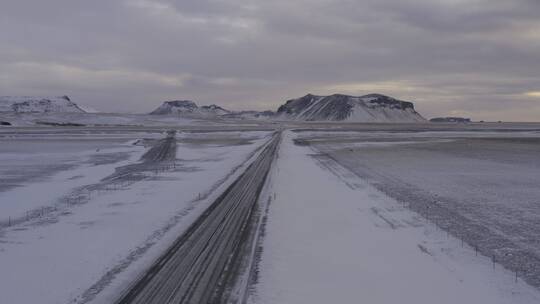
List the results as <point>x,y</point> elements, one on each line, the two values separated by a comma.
<point>482,187</point>
<point>81,215</point>
<point>113,119</point>
<point>330,237</point>
<point>351,213</point>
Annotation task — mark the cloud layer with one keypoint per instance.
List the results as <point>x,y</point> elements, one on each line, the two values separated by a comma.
<point>477,58</point>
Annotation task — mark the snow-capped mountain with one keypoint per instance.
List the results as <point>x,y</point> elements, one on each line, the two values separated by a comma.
<point>36,104</point>
<point>338,107</point>
<point>213,110</point>
<point>189,108</point>
<point>176,107</point>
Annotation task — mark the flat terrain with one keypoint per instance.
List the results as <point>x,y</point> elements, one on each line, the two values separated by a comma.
<point>230,212</point>
<point>194,269</point>
<point>482,187</point>
<point>330,236</point>
<point>84,211</point>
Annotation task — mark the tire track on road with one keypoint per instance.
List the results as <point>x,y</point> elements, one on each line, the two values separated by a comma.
<point>195,268</point>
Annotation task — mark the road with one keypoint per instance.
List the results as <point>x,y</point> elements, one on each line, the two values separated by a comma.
<point>198,266</point>
<point>161,156</point>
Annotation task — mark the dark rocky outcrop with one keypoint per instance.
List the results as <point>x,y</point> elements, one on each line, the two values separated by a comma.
<point>339,107</point>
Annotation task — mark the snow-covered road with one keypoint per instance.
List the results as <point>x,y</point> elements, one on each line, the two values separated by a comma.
<point>202,263</point>
<point>332,238</point>
<point>90,249</point>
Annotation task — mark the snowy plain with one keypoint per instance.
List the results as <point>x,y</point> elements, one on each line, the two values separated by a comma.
<point>480,186</point>
<point>73,236</point>
<point>332,237</point>
<point>69,233</point>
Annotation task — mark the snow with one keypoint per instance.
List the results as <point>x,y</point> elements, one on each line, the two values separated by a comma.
<point>368,108</point>
<point>188,107</point>
<point>331,237</point>
<point>314,100</point>
<point>383,114</point>
<point>24,104</point>
<point>97,119</point>
<point>485,187</point>
<point>88,109</point>
<point>17,202</point>
<point>88,249</point>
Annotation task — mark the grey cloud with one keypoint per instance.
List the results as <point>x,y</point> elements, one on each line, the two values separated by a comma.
<point>478,56</point>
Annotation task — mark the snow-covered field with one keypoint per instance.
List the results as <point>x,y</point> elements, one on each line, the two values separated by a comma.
<point>480,186</point>
<point>118,119</point>
<point>330,237</point>
<point>352,213</point>
<point>93,119</point>
<point>70,234</point>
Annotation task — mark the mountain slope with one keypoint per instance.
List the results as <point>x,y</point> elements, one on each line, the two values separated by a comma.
<point>338,107</point>
<point>36,104</point>
<point>188,108</point>
<point>213,110</point>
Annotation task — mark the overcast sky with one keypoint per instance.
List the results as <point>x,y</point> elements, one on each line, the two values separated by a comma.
<point>474,58</point>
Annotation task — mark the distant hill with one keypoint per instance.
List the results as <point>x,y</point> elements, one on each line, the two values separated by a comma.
<point>257,115</point>
<point>450,119</point>
<point>188,108</point>
<point>37,104</point>
<point>338,107</point>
